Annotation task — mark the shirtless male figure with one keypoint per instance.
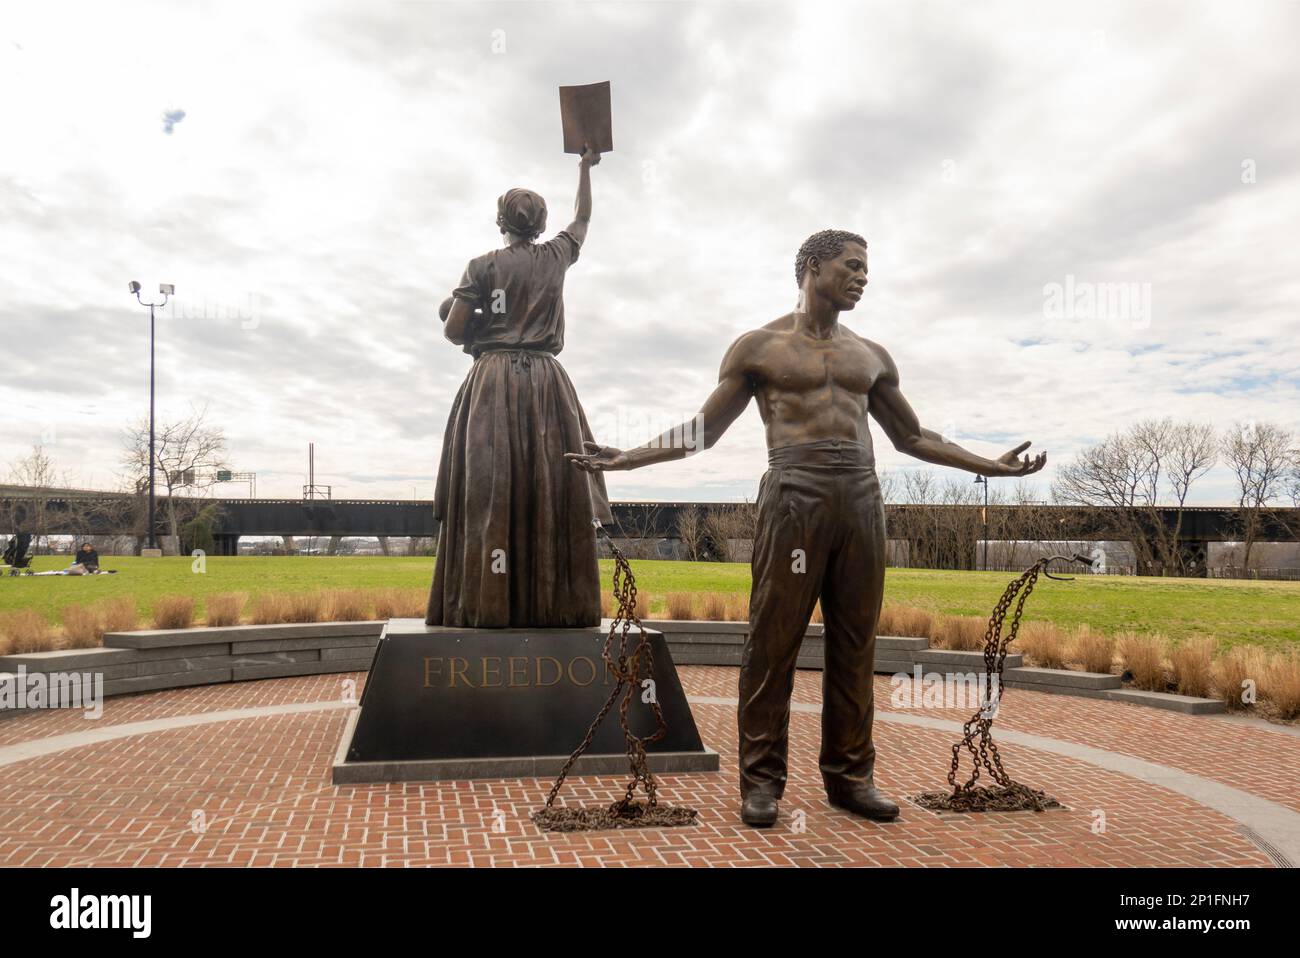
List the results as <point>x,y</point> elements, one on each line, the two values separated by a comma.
<point>821,520</point>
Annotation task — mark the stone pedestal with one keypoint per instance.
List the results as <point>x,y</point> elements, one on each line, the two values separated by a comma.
<point>448,703</point>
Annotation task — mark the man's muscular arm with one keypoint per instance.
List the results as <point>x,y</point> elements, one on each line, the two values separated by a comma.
<point>896,416</point>
<point>724,405</point>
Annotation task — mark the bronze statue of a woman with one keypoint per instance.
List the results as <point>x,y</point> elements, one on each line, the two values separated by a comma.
<point>516,541</point>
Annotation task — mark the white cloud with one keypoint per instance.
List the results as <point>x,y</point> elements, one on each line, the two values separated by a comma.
<point>337,166</point>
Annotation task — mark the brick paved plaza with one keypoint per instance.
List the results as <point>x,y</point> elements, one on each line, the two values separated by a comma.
<point>239,774</point>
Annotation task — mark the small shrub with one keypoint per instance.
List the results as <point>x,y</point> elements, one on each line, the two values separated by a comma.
<point>347,605</point>
<point>82,627</point>
<point>1043,644</point>
<point>680,605</point>
<point>1193,666</point>
<point>269,609</point>
<point>1281,685</point>
<point>1093,650</point>
<point>120,615</point>
<point>27,631</point>
<point>1233,669</point>
<point>224,609</point>
<point>173,612</point>
<point>1143,655</point>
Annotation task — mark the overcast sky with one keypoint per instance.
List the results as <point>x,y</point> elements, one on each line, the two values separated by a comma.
<point>330,169</point>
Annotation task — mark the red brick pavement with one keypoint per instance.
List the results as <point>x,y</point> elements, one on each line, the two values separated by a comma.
<point>257,792</point>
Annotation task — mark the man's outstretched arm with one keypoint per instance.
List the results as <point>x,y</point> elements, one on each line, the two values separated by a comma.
<point>896,416</point>
<point>724,405</point>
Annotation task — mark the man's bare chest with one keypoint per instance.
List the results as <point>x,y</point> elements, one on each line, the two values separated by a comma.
<point>807,367</point>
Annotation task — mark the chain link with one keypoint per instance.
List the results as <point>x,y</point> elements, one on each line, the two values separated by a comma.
<point>1006,794</point>
<point>627,670</point>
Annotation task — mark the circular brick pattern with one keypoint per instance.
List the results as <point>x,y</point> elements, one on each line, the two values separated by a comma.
<point>257,791</point>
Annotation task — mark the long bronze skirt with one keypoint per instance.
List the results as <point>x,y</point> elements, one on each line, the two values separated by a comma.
<point>516,542</point>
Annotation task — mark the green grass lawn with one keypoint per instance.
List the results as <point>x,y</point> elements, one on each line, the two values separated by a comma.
<point>1264,613</point>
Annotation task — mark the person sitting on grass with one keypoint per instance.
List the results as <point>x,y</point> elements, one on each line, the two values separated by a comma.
<point>87,561</point>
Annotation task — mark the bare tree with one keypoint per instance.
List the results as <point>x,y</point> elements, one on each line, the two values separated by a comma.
<point>1261,455</point>
<point>690,531</point>
<point>1183,452</point>
<point>731,529</point>
<point>186,454</point>
<point>35,472</point>
<point>888,485</point>
<point>638,528</point>
<point>1137,475</point>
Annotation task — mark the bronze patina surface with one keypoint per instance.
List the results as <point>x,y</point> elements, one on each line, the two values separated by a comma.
<point>821,530</point>
<point>516,544</point>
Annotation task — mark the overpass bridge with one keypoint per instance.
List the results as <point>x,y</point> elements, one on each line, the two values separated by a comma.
<point>943,536</point>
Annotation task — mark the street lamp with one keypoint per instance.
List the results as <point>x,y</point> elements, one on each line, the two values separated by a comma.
<point>166,289</point>
<point>985,516</point>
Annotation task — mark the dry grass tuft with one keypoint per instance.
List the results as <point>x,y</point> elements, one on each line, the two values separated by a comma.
<point>409,603</point>
<point>1043,644</point>
<point>679,605</point>
<point>738,607</point>
<point>1281,685</point>
<point>712,606</point>
<point>24,632</point>
<point>905,621</point>
<point>269,609</point>
<point>1233,670</point>
<point>1193,666</point>
<point>1143,655</point>
<point>173,612</point>
<point>817,612</point>
<point>963,633</point>
<point>643,601</point>
<point>224,609</point>
<point>120,615</point>
<point>347,605</point>
<point>1094,651</point>
<point>305,607</point>
<point>82,627</point>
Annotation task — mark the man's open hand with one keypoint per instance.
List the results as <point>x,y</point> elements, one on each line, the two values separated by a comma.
<point>599,458</point>
<point>1010,463</point>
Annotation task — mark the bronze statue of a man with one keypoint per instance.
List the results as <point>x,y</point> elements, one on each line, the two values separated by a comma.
<point>821,520</point>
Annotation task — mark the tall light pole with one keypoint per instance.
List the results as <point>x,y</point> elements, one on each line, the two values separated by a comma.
<point>166,289</point>
<point>985,515</point>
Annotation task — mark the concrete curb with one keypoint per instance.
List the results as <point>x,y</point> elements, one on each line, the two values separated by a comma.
<point>154,659</point>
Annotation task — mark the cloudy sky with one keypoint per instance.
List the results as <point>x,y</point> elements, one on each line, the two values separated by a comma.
<point>314,177</point>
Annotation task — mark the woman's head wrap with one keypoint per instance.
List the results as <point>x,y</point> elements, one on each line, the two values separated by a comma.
<point>523,212</point>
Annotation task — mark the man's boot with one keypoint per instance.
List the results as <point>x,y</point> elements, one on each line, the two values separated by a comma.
<point>862,799</point>
<point>758,809</point>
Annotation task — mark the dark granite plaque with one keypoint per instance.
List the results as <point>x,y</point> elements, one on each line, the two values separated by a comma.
<point>439,693</point>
